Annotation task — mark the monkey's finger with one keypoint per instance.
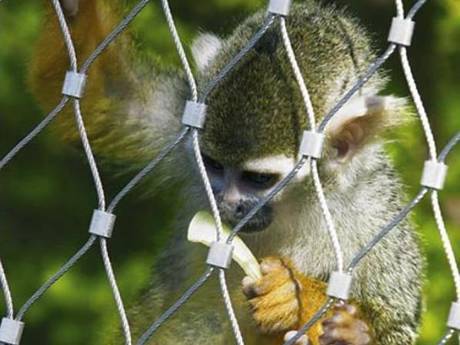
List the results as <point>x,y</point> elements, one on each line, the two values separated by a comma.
<point>327,339</point>
<point>340,336</point>
<point>334,336</point>
<point>356,334</point>
<point>338,319</point>
<point>277,303</point>
<point>303,340</point>
<point>279,318</point>
<point>248,287</point>
<point>70,7</point>
<point>346,307</point>
<point>271,264</point>
<point>273,282</point>
<point>266,284</point>
<point>282,294</point>
<point>255,288</point>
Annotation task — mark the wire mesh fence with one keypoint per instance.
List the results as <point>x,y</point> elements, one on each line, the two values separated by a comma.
<point>194,117</point>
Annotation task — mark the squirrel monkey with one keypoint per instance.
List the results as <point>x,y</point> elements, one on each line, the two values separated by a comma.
<point>250,142</point>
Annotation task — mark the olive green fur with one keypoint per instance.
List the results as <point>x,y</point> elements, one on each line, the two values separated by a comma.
<point>258,109</point>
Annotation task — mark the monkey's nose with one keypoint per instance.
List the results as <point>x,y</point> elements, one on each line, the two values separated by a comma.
<point>240,211</point>
<point>232,213</point>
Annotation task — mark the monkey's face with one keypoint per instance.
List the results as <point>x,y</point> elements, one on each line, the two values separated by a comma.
<point>239,189</point>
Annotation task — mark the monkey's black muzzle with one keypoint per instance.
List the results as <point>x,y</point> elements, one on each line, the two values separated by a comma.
<point>234,213</point>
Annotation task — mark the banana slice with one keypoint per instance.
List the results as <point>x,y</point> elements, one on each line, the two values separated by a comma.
<point>202,229</point>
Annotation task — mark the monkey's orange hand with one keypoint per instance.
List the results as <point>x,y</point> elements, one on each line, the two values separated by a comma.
<point>345,327</point>
<point>274,298</point>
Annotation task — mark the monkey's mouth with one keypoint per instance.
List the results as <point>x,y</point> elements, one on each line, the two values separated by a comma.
<point>256,225</point>
<point>260,222</point>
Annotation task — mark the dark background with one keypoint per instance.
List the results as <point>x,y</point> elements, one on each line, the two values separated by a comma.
<point>47,196</point>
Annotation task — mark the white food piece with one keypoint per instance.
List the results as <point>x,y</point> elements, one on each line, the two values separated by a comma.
<point>202,229</point>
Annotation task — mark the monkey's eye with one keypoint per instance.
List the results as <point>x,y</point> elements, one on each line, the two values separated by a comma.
<point>212,164</point>
<point>260,180</point>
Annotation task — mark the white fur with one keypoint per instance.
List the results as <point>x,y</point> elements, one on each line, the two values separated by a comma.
<point>358,106</point>
<point>205,48</point>
<point>278,164</point>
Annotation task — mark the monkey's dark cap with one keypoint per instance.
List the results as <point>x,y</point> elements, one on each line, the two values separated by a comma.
<point>258,110</point>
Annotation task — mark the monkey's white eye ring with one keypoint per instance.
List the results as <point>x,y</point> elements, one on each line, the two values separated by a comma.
<point>454,316</point>
<point>194,114</point>
<point>312,144</point>
<point>279,7</point>
<point>11,331</point>
<point>434,174</point>
<point>339,285</point>
<point>102,224</point>
<point>401,31</point>
<point>74,84</point>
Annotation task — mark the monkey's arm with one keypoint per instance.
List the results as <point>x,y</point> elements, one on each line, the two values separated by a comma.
<point>130,109</point>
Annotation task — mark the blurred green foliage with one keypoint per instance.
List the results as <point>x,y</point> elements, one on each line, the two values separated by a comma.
<point>46,195</point>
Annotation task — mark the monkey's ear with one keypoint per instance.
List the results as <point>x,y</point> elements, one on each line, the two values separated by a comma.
<point>362,120</point>
<point>205,48</point>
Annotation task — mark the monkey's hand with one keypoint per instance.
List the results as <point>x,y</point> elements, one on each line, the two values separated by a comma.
<point>274,298</point>
<point>345,327</point>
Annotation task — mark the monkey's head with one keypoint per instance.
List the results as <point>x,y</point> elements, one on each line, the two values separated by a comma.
<point>256,116</point>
